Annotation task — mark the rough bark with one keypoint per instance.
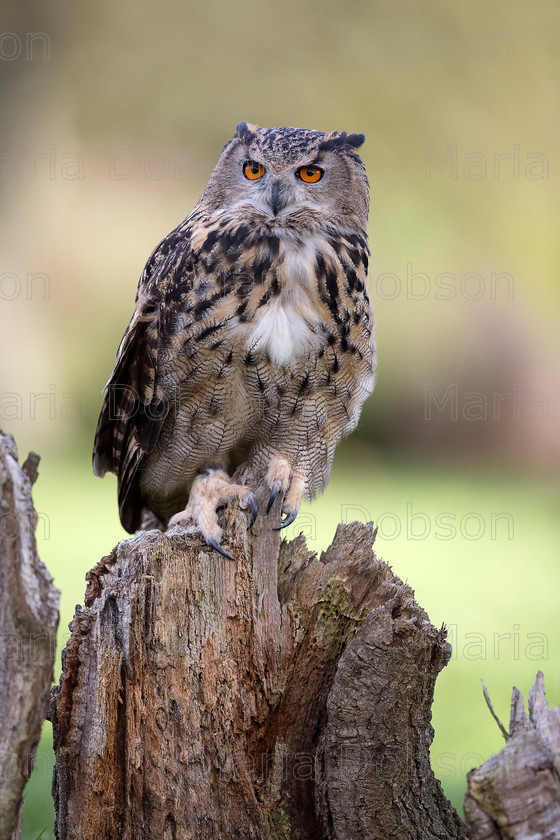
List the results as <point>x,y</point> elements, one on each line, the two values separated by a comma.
<point>516,793</point>
<point>276,696</point>
<point>28,623</point>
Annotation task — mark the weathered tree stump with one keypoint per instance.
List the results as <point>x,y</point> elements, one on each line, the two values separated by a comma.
<point>275,696</point>
<point>515,795</point>
<point>28,624</point>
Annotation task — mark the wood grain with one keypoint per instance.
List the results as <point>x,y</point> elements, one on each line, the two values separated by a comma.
<point>28,624</point>
<point>280,695</point>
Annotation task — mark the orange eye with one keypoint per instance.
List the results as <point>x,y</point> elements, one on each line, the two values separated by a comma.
<point>310,174</point>
<point>253,170</point>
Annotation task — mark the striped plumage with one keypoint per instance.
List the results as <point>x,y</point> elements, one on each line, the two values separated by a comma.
<point>252,337</point>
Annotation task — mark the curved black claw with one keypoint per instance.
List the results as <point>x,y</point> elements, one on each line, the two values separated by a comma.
<point>273,494</point>
<point>287,521</point>
<point>214,543</point>
<point>254,510</point>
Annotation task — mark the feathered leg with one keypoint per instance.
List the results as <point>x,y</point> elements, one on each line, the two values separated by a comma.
<point>210,490</point>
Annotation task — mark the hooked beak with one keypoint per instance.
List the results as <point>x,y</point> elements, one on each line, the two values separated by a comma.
<point>277,198</point>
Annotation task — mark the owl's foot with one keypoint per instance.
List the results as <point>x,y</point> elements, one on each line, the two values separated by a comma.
<point>281,478</point>
<point>211,490</point>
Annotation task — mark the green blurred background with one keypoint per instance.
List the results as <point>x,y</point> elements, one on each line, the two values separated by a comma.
<point>113,116</point>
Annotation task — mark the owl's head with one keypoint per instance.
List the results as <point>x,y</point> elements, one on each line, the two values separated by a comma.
<point>284,174</point>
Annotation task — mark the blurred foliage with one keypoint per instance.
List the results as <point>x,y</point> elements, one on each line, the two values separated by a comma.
<point>154,91</point>
<point>138,100</point>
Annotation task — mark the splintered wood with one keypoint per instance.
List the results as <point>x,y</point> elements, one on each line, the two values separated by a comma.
<point>28,624</point>
<point>277,696</point>
<point>515,795</point>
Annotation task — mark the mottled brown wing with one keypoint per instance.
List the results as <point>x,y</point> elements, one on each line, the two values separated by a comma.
<point>135,404</point>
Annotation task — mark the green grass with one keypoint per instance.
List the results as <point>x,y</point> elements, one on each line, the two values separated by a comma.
<point>38,814</point>
<point>497,592</point>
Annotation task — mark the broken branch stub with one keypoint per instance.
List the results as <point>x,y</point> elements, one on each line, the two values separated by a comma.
<point>515,795</point>
<point>28,624</point>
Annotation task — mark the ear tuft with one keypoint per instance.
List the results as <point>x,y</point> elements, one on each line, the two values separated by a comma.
<point>245,130</point>
<point>356,140</point>
<point>336,140</point>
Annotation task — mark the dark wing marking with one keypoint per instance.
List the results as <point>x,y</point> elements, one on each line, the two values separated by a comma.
<point>135,405</point>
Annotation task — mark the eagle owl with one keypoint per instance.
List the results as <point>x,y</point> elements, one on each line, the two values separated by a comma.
<point>252,338</point>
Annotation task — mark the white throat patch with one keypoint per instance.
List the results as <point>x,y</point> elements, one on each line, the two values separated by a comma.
<point>283,327</point>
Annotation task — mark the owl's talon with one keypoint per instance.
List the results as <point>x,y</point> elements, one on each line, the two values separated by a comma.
<point>282,476</point>
<point>215,544</point>
<point>212,489</point>
<point>252,502</point>
<point>276,487</point>
<point>290,516</point>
